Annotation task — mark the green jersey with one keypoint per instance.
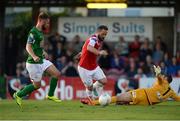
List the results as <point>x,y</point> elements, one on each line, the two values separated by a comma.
<point>34,38</point>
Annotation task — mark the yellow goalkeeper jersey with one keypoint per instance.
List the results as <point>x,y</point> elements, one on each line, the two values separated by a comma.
<point>160,91</point>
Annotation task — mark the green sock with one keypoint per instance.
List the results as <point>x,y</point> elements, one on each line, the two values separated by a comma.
<point>52,86</point>
<point>26,90</point>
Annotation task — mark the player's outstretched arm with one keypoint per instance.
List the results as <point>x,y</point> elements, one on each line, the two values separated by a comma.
<point>175,96</point>
<point>103,52</point>
<point>93,50</point>
<point>157,71</point>
<point>96,51</point>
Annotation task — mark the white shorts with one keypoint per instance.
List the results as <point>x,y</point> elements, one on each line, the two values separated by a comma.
<point>36,70</point>
<point>87,76</point>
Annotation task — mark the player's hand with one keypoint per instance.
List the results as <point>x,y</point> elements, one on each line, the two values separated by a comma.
<point>157,70</point>
<point>103,52</point>
<point>36,58</point>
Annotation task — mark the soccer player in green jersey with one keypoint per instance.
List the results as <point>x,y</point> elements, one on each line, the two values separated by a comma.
<point>36,63</point>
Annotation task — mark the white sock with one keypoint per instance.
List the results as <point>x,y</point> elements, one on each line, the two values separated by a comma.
<point>98,87</point>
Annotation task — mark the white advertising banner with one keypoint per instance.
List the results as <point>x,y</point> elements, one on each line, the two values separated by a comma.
<point>85,26</point>
<point>148,82</point>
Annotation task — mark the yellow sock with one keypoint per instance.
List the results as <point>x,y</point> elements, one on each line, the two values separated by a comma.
<point>113,99</point>
<point>95,102</point>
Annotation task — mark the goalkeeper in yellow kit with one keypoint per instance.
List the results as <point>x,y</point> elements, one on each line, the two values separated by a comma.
<point>159,92</point>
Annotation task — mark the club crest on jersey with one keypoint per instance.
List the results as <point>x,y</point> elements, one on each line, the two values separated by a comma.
<point>41,37</point>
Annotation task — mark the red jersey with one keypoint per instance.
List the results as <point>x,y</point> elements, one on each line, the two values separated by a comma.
<point>88,59</point>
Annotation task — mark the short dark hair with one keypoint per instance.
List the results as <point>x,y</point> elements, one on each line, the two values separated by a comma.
<point>43,15</point>
<point>169,78</point>
<point>102,27</point>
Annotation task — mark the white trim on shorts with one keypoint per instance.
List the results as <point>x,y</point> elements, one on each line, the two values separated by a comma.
<point>87,76</point>
<point>36,70</point>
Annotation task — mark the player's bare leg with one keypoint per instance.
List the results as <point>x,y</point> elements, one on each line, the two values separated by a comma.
<point>26,90</point>
<point>89,92</point>
<point>124,97</point>
<point>52,70</point>
<point>90,97</point>
<point>94,92</point>
<point>37,85</point>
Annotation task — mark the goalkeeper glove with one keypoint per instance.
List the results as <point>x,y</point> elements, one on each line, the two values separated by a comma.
<point>157,70</point>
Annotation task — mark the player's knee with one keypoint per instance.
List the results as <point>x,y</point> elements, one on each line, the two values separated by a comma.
<point>37,85</point>
<point>103,81</point>
<point>57,75</point>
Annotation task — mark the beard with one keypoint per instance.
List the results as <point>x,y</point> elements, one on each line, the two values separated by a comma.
<point>100,38</point>
<point>44,27</point>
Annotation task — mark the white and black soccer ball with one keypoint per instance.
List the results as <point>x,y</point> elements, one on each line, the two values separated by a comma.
<point>104,99</point>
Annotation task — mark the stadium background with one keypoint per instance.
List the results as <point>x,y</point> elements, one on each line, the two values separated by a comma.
<point>153,23</point>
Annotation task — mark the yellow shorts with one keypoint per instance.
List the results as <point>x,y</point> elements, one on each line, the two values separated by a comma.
<point>139,97</point>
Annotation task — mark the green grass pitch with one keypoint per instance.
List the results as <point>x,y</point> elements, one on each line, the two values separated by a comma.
<point>74,110</point>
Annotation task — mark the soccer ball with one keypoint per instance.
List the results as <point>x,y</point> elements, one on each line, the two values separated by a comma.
<point>104,99</point>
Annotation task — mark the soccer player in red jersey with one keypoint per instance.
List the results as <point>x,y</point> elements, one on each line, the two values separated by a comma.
<point>88,68</point>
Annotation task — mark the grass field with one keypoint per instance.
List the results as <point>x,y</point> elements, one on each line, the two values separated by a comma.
<point>74,110</point>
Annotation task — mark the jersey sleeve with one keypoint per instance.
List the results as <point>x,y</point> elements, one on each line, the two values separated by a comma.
<point>175,96</point>
<point>92,41</point>
<point>31,39</point>
<point>160,79</point>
